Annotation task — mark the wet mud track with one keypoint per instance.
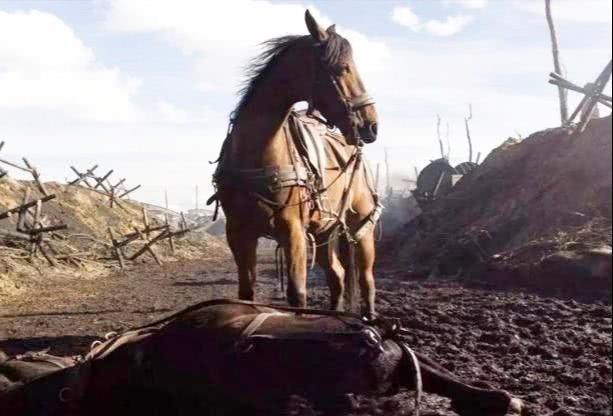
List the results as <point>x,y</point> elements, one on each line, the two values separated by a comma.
<point>554,353</point>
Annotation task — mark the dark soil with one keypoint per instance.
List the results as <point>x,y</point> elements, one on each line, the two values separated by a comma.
<point>553,187</point>
<point>554,353</point>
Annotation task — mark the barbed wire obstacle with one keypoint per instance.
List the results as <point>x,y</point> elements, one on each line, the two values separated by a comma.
<point>2,171</point>
<point>103,185</point>
<point>34,230</point>
<point>592,95</point>
<point>149,235</point>
<point>27,167</point>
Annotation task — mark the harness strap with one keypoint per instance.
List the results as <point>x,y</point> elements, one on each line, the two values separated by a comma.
<point>418,380</point>
<point>243,345</point>
<point>370,221</point>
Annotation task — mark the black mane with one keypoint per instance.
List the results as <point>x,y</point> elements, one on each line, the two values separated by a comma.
<point>334,52</point>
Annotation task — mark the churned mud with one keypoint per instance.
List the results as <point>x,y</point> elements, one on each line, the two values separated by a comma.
<point>554,353</point>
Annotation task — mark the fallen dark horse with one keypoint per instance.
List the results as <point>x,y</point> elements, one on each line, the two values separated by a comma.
<point>251,356</point>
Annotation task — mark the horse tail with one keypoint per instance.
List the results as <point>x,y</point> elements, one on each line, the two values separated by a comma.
<point>347,254</point>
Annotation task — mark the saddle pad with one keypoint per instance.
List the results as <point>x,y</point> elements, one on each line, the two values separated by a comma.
<point>322,148</point>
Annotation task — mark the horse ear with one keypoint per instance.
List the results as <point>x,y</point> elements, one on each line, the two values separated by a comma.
<point>331,29</point>
<point>318,33</point>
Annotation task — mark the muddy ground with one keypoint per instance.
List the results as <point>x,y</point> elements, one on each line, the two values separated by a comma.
<point>555,353</point>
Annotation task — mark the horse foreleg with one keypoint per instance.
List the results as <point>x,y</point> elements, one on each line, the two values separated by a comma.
<point>291,232</point>
<point>366,261</point>
<point>244,250</point>
<point>327,258</point>
<point>466,399</point>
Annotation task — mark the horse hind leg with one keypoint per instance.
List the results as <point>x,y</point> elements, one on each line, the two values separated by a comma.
<point>328,260</point>
<point>291,233</point>
<point>366,261</point>
<point>244,250</point>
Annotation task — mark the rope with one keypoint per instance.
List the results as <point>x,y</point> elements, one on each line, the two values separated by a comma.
<point>418,380</point>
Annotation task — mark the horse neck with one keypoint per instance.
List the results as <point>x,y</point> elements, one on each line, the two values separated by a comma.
<point>258,138</point>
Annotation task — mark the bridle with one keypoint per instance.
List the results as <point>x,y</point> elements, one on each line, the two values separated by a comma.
<point>351,105</point>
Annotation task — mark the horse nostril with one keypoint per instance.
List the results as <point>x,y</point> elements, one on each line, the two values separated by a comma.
<point>373,129</point>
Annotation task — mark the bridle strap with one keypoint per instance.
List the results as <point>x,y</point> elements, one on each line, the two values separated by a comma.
<point>352,104</point>
<point>361,101</point>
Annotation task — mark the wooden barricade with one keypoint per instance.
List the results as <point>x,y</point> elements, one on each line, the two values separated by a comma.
<point>103,185</point>
<point>150,235</point>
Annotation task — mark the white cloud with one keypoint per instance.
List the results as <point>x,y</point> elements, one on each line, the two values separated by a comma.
<point>469,4</point>
<point>224,37</point>
<point>451,25</point>
<point>45,66</point>
<point>405,16</point>
<point>597,11</point>
<point>169,113</point>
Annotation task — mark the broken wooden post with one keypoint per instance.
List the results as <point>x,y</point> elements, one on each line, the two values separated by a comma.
<point>171,241</point>
<point>556,62</point>
<point>82,177</point>
<point>34,231</point>
<point>592,95</point>
<point>468,137</point>
<point>100,181</point>
<point>146,223</point>
<point>116,249</point>
<point>2,171</point>
<point>36,176</point>
<point>438,134</point>
<point>129,191</point>
<point>148,247</point>
<point>25,206</point>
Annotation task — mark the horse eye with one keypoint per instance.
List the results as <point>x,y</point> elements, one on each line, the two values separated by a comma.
<point>341,70</point>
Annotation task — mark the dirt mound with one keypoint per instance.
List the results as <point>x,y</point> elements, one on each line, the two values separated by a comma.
<point>88,216</point>
<point>534,206</point>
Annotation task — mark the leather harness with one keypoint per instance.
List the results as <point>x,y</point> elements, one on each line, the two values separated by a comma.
<point>264,183</point>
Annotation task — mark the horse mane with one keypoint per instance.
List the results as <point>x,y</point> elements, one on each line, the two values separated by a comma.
<point>335,51</point>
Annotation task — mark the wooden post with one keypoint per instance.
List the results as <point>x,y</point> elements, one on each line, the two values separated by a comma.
<point>82,177</point>
<point>556,62</point>
<point>35,240</point>
<point>197,205</point>
<point>2,171</point>
<point>596,90</point>
<point>116,249</point>
<point>100,181</point>
<point>377,176</point>
<point>183,221</point>
<point>146,223</point>
<point>438,134</point>
<point>171,241</point>
<point>30,204</point>
<point>468,137</point>
<point>129,191</point>
<point>448,142</point>
<point>148,247</point>
<point>36,176</point>
<point>388,185</point>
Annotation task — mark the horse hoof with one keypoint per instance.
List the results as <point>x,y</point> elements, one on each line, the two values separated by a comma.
<point>505,405</point>
<point>516,408</point>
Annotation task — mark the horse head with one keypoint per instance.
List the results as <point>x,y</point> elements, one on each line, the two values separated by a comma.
<point>338,91</point>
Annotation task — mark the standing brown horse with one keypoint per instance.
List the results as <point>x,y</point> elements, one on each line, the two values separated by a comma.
<point>263,188</point>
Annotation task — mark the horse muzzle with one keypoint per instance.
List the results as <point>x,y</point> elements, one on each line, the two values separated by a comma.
<point>368,132</point>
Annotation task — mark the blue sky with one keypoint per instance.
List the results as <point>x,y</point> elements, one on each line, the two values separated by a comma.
<point>145,87</point>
